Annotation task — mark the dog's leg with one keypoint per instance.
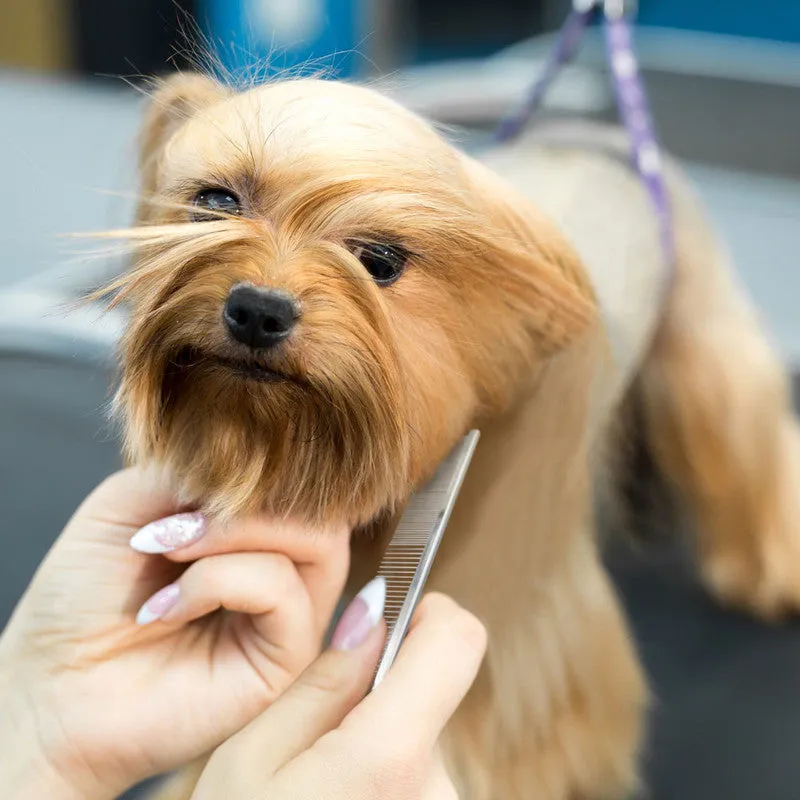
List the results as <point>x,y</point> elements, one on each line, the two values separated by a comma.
<point>556,713</point>
<point>719,422</point>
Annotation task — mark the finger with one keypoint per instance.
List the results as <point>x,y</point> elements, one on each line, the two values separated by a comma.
<point>321,697</point>
<point>435,668</point>
<point>264,586</point>
<point>324,581</point>
<point>322,555</point>
<point>299,541</point>
<point>127,500</point>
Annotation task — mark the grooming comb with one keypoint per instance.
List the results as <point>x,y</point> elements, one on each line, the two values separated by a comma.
<point>409,557</point>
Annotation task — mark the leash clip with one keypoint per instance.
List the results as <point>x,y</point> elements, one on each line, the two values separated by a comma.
<point>612,9</point>
<point>618,9</point>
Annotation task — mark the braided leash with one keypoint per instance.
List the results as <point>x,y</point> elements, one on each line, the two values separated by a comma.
<point>634,110</point>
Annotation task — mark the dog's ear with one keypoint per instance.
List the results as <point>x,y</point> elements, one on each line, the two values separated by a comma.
<point>538,266</point>
<point>175,100</point>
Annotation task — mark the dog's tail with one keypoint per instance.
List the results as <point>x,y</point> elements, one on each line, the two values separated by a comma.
<point>710,420</point>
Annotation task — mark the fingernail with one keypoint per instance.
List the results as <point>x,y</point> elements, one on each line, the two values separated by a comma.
<point>361,616</point>
<point>158,605</point>
<point>169,533</point>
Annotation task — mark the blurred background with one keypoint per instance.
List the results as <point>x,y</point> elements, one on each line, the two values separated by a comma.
<point>724,82</point>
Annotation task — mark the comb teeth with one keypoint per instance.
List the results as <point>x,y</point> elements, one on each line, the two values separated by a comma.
<point>398,567</point>
<point>404,554</point>
<point>408,558</point>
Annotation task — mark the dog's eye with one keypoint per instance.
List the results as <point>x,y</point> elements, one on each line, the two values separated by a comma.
<point>211,203</point>
<point>384,262</point>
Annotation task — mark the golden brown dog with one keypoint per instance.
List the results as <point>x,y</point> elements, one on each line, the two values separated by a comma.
<point>326,295</point>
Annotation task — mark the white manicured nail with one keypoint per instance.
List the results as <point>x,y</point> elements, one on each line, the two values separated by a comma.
<point>159,604</point>
<point>361,616</point>
<point>170,533</point>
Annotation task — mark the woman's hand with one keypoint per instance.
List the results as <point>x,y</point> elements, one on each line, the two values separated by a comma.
<point>100,701</point>
<point>317,742</point>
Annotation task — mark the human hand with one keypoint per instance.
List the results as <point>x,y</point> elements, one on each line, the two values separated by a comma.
<point>318,742</point>
<point>104,702</point>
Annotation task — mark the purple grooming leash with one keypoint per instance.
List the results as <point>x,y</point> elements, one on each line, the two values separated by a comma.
<point>628,89</point>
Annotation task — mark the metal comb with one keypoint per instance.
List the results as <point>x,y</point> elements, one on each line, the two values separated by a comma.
<point>409,556</point>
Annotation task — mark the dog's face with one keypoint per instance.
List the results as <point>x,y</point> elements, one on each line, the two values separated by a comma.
<point>325,296</point>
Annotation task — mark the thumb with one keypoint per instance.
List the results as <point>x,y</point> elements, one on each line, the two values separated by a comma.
<point>124,502</point>
<point>323,695</point>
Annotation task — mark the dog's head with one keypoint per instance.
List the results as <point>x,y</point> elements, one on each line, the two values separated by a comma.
<point>325,295</point>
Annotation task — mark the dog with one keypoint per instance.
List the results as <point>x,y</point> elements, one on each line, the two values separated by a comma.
<point>326,295</point>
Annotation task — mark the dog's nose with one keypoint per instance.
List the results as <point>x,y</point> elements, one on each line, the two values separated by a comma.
<point>259,318</point>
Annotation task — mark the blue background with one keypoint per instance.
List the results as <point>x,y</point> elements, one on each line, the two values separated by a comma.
<point>225,22</point>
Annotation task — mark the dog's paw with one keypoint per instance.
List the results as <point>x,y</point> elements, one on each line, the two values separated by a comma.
<point>763,579</point>
<point>752,561</point>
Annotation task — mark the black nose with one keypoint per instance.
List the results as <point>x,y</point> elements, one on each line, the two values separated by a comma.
<point>259,318</point>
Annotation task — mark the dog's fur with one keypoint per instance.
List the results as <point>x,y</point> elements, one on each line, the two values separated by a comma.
<point>532,307</point>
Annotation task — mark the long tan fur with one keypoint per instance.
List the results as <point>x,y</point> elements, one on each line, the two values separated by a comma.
<point>719,416</point>
<point>529,307</point>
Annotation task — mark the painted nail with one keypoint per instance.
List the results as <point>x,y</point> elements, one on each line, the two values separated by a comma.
<point>158,605</point>
<point>170,533</point>
<point>361,616</point>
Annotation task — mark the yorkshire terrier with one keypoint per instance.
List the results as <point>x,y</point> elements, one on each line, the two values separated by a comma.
<point>326,295</point>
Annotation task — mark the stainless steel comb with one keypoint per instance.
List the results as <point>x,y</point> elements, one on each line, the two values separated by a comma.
<point>409,556</point>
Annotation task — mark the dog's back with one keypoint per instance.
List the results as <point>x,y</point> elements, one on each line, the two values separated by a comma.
<point>580,175</point>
